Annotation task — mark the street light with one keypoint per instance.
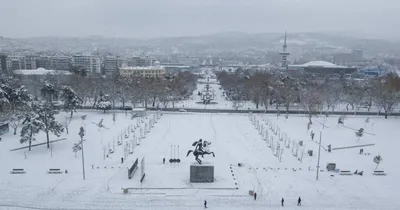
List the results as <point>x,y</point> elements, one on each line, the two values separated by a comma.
<point>82,134</point>
<point>319,152</point>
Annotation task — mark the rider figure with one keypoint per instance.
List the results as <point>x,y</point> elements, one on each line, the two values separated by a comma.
<point>199,146</point>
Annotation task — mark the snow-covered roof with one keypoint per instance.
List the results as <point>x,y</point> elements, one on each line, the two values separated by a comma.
<point>323,64</point>
<point>142,68</point>
<point>41,71</point>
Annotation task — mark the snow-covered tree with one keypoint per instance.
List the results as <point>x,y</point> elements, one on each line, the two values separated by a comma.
<point>3,99</point>
<point>377,159</point>
<point>71,100</point>
<point>15,120</point>
<point>104,103</point>
<point>360,133</point>
<point>49,92</point>
<point>45,114</point>
<point>30,127</point>
<point>20,98</point>
<point>386,92</point>
<point>66,122</point>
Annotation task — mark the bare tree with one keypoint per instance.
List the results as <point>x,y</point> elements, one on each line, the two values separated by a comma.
<point>387,92</point>
<point>310,100</point>
<point>332,94</point>
<point>287,91</point>
<point>66,122</point>
<point>354,95</point>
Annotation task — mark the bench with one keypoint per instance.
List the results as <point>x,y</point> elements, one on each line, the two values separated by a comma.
<point>379,173</point>
<point>18,171</point>
<point>54,171</point>
<point>345,173</point>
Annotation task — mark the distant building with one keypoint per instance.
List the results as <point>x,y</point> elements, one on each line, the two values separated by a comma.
<point>148,71</point>
<point>3,63</point>
<point>91,64</point>
<point>43,62</point>
<point>322,68</point>
<point>348,57</point>
<point>15,62</point>
<point>60,62</point>
<point>30,62</point>
<point>111,66</point>
<point>137,61</point>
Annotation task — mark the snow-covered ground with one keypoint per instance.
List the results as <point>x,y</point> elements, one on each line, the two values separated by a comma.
<point>234,140</point>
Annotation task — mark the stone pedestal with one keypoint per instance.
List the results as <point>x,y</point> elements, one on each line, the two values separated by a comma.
<point>201,173</point>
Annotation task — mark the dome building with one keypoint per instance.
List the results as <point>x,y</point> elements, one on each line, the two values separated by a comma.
<point>322,67</point>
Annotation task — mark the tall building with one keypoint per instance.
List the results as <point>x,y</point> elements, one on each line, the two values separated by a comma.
<point>91,64</point>
<point>60,63</point>
<point>15,62</point>
<point>358,54</point>
<point>137,61</point>
<point>43,62</point>
<point>111,66</point>
<point>3,63</point>
<point>284,54</point>
<point>30,62</point>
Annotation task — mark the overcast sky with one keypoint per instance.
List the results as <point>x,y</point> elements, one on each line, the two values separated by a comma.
<point>164,18</point>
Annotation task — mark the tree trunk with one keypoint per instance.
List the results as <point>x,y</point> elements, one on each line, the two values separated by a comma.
<point>15,130</point>
<point>287,108</point>
<point>48,140</point>
<point>386,114</point>
<point>256,105</point>
<point>30,140</point>
<point>72,113</point>
<point>104,110</point>
<point>66,128</point>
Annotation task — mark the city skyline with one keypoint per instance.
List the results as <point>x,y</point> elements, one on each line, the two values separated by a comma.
<point>176,18</point>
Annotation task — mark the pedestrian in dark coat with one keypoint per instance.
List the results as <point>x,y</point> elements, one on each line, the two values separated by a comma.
<point>163,161</point>
<point>255,196</point>
<point>282,201</point>
<point>122,160</point>
<point>205,204</point>
<point>299,202</point>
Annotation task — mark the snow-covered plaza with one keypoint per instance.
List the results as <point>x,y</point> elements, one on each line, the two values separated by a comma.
<point>247,139</point>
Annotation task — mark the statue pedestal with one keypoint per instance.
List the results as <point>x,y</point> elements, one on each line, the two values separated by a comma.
<point>201,173</point>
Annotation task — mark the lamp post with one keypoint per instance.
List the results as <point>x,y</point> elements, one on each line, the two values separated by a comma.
<point>82,134</point>
<point>319,152</point>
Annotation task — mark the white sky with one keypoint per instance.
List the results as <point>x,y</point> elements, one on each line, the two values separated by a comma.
<point>162,18</point>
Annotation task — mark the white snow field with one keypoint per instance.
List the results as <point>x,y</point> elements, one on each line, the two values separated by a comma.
<point>234,140</point>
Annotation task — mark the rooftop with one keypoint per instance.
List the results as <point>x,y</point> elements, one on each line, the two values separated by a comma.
<point>323,64</point>
<point>41,71</point>
<point>142,68</point>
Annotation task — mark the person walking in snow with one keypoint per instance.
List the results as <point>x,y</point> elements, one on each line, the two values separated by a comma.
<point>255,196</point>
<point>205,204</point>
<point>282,201</point>
<point>299,202</point>
<point>163,161</point>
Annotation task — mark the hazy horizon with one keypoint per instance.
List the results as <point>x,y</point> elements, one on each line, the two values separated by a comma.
<point>182,18</point>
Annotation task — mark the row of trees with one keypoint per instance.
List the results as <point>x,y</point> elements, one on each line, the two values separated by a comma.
<point>105,93</point>
<point>313,94</point>
<point>35,114</point>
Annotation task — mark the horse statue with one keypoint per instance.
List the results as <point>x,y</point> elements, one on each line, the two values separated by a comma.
<point>201,148</point>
